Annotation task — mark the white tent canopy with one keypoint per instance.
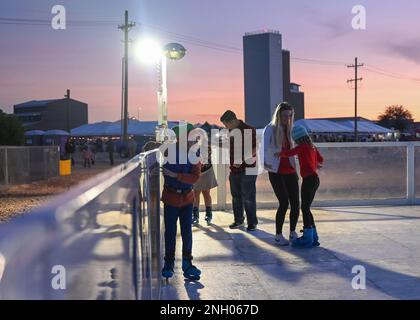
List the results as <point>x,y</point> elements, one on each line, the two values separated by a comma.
<point>342,126</point>
<point>105,128</point>
<point>365,127</point>
<point>35,133</point>
<point>321,126</point>
<point>56,133</point>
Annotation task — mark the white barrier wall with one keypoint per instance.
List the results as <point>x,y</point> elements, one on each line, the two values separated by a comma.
<point>98,241</point>
<point>383,173</point>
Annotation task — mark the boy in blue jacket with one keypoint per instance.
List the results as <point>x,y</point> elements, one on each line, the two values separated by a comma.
<point>178,199</point>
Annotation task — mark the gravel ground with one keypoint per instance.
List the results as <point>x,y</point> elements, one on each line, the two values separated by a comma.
<point>20,199</point>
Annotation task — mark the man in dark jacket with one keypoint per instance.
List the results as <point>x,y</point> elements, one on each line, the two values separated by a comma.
<point>70,148</point>
<point>242,180</point>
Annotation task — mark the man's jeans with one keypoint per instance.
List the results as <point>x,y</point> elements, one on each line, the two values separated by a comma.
<point>243,190</point>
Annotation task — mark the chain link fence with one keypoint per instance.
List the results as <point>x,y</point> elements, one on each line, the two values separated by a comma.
<point>26,164</point>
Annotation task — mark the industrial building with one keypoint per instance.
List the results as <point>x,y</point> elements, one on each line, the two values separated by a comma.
<point>267,78</point>
<point>55,114</point>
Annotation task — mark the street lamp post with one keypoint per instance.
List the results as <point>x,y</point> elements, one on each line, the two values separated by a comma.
<point>162,96</point>
<point>172,51</point>
<point>149,51</point>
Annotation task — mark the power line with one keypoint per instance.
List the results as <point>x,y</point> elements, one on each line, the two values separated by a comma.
<point>231,49</point>
<point>191,38</point>
<point>43,22</point>
<point>198,42</point>
<point>390,74</point>
<point>177,36</point>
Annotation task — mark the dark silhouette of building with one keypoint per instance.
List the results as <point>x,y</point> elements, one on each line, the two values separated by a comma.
<point>263,76</point>
<point>267,78</point>
<point>52,114</point>
<point>291,90</point>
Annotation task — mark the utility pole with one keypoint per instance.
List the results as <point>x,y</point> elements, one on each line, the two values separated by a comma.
<point>122,101</point>
<point>355,80</point>
<point>67,96</point>
<point>126,28</point>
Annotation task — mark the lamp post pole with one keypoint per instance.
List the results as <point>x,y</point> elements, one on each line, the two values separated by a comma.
<point>171,51</point>
<point>162,101</point>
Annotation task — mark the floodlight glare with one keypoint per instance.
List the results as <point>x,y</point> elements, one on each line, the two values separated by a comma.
<point>149,51</point>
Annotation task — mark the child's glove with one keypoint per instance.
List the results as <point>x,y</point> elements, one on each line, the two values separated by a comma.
<point>169,173</point>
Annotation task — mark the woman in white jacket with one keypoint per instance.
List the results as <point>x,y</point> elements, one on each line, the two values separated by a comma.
<point>282,172</point>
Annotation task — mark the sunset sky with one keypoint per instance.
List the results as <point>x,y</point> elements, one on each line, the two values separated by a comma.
<point>38,62</point>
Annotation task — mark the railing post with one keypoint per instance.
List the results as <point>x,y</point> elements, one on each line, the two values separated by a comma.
<point>221,180</point>
<point>411,193</point>
<point>44,161</point>
<point>221,189</point>
<point>28,164</point>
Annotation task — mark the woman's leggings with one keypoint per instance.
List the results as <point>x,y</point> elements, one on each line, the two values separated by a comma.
<point>309,187</point>
<point>286,188</point>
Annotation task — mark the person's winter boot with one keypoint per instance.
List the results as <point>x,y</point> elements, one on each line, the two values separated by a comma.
<point>316,238</point>
<point>281,240</point>
<point>209,214</point>
<point>168,269</point>
<point>191,272</point>
<point>196,216</point>
<point>293,236</point>
<point>306,241</point>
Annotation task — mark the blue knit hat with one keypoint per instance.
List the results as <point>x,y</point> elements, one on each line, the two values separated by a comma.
<point>188,127</point>
<point>298,132</point>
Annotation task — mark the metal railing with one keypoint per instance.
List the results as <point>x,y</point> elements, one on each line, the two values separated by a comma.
<point>103,239</point>
<point>100,240</point>
<point>354,174</point>
<point>27,164</point>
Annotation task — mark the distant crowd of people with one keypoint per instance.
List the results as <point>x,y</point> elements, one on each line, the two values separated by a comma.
<point>343,138</point>
<point>89,148</point>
